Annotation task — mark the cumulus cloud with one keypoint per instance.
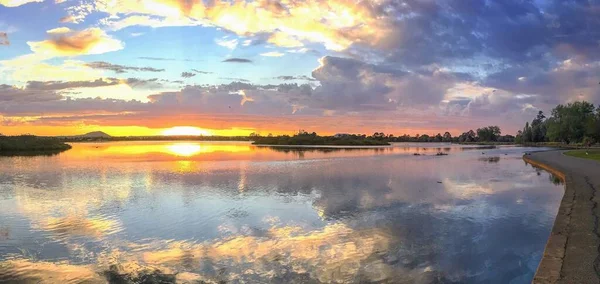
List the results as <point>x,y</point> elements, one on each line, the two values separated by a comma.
<point>571,79</point>
<point>349,84</point>
<point>237,60</point>
<point>120,68</point>
<point>336,24</point>
<point>64,42</point>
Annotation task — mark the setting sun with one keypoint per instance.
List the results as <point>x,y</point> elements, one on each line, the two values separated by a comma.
<point>185,131</point>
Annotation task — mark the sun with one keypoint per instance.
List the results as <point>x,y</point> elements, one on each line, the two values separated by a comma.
<point>185,131</point>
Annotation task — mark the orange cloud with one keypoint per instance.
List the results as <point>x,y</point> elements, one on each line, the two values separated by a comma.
<point>64,42</point>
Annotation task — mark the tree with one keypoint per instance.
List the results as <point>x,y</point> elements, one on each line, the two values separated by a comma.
<point>379,135</point>
<point>519,137</point>
<point>424,138</point>
<point>527,133</point>
<point>489,133</point>
<point>468,136</point>
<point>538,128</point>
<point>447,137</point>
<point>572,122</point>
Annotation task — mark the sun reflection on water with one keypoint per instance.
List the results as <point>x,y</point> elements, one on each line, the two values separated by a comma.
<point>184,149</point>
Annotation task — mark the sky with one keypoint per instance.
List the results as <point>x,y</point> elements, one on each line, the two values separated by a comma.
<point>142,67</point>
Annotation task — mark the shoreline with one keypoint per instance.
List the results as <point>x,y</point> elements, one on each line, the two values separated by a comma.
<point>571,252</point>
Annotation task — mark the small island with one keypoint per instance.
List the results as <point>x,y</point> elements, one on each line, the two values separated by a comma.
<point>31,145</point>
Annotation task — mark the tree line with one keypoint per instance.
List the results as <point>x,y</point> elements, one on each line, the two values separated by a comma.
<point>480,135</point>
<point>577,122</point>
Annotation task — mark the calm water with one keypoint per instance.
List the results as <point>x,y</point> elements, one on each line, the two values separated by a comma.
<point>243,214</point>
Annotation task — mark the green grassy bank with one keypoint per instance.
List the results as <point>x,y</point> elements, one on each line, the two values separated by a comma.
<point>592,154</point>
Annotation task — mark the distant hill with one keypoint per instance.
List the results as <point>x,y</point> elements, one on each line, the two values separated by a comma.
<point>94,134</point>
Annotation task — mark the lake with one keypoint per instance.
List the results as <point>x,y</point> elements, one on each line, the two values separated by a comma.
<point>209,212</point>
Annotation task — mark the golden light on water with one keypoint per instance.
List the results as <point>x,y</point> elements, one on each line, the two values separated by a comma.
<point>185,131</point>
<point>184,149</point>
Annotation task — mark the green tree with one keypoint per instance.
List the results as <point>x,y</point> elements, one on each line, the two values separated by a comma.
<point>519,137</point>
<point>572,122</point>
<point>538,128</point>
<point>489,133</point>
<point>527,134</point>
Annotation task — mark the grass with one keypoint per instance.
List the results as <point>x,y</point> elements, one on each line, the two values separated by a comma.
<point>591,154</point>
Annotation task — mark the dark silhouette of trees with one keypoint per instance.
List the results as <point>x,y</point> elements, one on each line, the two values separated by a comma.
<point>489,133</point>
<point>447,137</point>
<point>468,136</point>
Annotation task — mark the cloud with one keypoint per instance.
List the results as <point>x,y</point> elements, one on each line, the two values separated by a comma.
<point>272,54</point>
<point>120,68</point>
<point>345,86</point>
<point>61,85</point>
<point>4,39</point>
<point>230,44</point>
<point>16,3</point>
<point>237,60</point>
<point>235,79</point>
<point>284,40</point>
<point>290,78</point>
<point>61,30</point>
<point>163,59</point>
<point>201,72</point>
<point>411,33</point>
<point>23,70</point>
<point>568,80</point>
<point>137,83</point>
<point>74,43</point>
<point>67,19</point>
<point>147,20</point>
<point>335,24</point>
<point>23,95</point>
<point>187,74</point>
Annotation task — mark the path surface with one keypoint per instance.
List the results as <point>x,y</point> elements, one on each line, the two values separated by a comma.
<point>571,254</point>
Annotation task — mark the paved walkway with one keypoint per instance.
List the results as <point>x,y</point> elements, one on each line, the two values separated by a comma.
<point>571,254</point>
